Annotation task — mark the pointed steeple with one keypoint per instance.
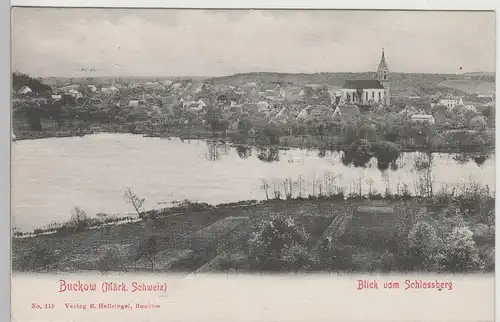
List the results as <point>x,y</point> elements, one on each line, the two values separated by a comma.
<point>383,69</point>
<point>383,63</point>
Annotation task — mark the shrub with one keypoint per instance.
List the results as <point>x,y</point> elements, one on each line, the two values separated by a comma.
<point>274,245</point>
<point>459,252</point>
<point>422,244</point>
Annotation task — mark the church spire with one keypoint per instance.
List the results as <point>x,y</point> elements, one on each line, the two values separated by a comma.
<point>383,63</point>
<point>383,77</point>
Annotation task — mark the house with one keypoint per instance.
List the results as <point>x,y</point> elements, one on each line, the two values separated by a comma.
<point>263,105</point>
<point>470,107</point>
<point>73,92</point>
<point>24,90</point>
<point>201,103</point>
<point>197,88</point>
<point>92,88</point>
<point>303,114</point>
<point>175,86</point>
<point>451,102</point>
<point>188,103</point>
<point>423,118</point>
<point>346,111</point>
<point>56,97</point>
<point>319,110</point>
<point>133,103</point>
<point>272,90</point>
<point>109,90</point>
<point>282,115</point>
<point>167,82</point>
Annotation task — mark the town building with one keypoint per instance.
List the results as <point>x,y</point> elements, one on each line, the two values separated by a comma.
<point>451,102</point>
<point>367,91</point>
<point>24,90</point>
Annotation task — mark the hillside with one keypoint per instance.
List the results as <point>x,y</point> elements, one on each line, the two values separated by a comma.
<point>403,84</point>
<point>473,86</point>
<point>37,86</point>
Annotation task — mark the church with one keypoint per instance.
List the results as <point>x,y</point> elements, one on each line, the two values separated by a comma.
<point>367,91</point>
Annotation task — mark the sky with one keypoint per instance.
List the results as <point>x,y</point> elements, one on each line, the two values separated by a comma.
<point>181,42</point>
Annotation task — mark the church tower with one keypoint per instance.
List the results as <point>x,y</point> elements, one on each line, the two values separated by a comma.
<point>383,77</point>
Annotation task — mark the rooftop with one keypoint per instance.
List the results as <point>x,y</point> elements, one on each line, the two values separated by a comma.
<point>362,84</point>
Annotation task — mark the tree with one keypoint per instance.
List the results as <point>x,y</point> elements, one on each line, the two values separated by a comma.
<point>79,219</point>
<point>135,201</point>
<point>478,123</point>
<point>244,126</point>
<point>272,132</point>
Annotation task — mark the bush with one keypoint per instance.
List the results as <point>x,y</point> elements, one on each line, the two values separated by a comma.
<point>459,252</point>
<point>422,244</point>
<point>278,244</point>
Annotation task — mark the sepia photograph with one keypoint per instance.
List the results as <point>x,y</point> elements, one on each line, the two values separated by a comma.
<point>252,141</point>
<point>252,164</point>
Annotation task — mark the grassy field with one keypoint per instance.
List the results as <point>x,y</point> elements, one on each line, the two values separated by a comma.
<point>203,240</point>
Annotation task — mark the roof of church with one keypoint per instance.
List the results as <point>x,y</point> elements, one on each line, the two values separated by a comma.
<point>383,64</point>
<point>363,84</point>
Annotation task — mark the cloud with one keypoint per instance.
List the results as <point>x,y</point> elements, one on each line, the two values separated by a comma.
<point>219,42</point>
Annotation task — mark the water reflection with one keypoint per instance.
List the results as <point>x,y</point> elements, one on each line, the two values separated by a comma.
<point>480,159</point>
<point>356,156</point>
<point>464,158</point>
<point>243,151</point>
<point>268,154</point>
<point>216,149</point>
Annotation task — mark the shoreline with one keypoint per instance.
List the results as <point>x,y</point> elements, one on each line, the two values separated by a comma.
<point>205,238</point>
<point>230,140</point>
<point>190,207</point>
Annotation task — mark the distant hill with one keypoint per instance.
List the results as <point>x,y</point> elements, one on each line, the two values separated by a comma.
<point>473,86</point>
<point>402,84</point>
<point>61,81</point>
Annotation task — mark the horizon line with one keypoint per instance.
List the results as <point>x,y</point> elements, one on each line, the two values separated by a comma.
<point>259,72</point>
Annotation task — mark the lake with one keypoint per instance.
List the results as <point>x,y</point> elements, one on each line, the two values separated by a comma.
<point>52,176</point>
